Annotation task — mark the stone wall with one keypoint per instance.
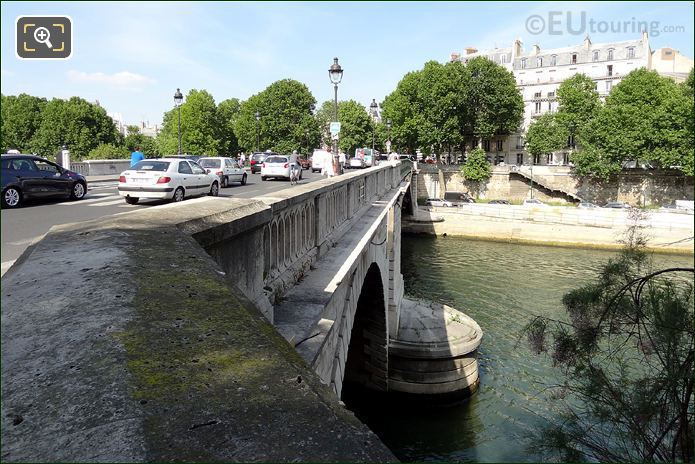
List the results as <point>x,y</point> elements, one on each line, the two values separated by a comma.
<point>637,187</point>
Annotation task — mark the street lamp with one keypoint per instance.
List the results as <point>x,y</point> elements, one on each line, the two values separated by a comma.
<point>388,126</point>
<point>335,73</point>
<point>258,134</point>
<point>178,100</point>
<point>373,110</point>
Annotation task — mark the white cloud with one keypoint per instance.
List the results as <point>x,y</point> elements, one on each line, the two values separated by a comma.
<point>119,79</point>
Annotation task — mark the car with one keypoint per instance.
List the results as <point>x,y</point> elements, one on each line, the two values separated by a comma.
<point>616,205</point>
<point>278,167</point>
<point>438,202</point>
<point>405,157</point>
<point>498,202</point>
<point>166,178</point>
<point>586,205</point>
<point>186,156</point>
<point>256,160</point>
<point>356,163</point>
<point>304,162</point>
<point>459,197</point>
<point>29,176</point>
<point>534,202</point>
<point>226,169</point>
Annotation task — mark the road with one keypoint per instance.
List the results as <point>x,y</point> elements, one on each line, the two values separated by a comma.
<point>21,227</point>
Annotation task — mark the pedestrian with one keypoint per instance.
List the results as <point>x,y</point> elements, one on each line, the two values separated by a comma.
<point>136,156</point>
<point>242,159</point>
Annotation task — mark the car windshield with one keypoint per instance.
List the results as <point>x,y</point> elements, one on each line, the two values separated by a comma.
<point>276,159</point>
<point>209,163</point>
<point>149,165</point>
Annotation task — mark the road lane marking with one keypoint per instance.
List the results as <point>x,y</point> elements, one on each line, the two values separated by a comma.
<point>6,265</point>
<point>91,200</point>
<point>107,203</point>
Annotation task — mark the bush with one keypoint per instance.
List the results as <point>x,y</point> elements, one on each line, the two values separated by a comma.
<point>108,151</point>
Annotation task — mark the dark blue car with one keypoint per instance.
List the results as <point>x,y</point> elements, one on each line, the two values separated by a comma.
<point>29,176</point>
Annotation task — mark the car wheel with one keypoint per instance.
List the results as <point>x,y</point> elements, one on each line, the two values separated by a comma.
<point>225,182</point>
<point>214,190</point>
<point>263,178</point>
<point>78,191</point>
<point>11,198</point>
<point>243,179</point>
<point>132,200</point>
<point>178,194</point>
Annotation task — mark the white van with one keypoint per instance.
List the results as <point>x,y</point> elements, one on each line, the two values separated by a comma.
<point>319,160</point>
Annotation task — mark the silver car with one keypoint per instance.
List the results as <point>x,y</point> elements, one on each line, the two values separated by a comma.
<point>438,202</point>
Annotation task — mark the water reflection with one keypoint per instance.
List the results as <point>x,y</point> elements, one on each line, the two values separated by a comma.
<point>502,286</point>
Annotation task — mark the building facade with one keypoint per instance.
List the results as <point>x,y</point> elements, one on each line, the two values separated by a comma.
<point>539,73</point>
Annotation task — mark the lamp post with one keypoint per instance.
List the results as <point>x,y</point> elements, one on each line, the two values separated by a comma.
<point>335,73</point>
<point>373,110</point>
<point>258,134</point>
<point>178,100</point>
<point>306,137</point>
<point>388,126</point>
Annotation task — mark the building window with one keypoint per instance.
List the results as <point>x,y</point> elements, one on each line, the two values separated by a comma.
<point>523,63</point>
<point>504,59</point>
<point>539,62</point>
<point>609,86</point>
<point>519,159</point>
<point>570,142</point>
<point>550,105</point>
<point>574,58</point>
<point>610,54</point>
<point>486,146</point>
<point>499,145</point>
<point>538,107</point>
<point>594,56</point>
<point>630,52</point>
<point>610,69</point>
<point>553,60</point>
<point>537,95</point>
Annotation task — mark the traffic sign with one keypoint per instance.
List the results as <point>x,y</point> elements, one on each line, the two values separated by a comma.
<point>335,128</point>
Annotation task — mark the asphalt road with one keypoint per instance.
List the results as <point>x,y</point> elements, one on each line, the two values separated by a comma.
<point>21,227</point>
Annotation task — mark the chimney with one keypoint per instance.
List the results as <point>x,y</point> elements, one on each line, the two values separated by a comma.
<point>645,36</point>
<point>471,50</point>
<point>587,42</point>
<point>455,57</point>
<point>536,49</point>
<point>517,48</point>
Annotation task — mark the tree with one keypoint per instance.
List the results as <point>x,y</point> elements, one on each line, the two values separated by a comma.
<point>626,352</point>
<point>355,125</point>
<point>545,135</point>
<point>476,169</point>
<point>133,139</point>
<point>108,151</point>
<point>81,125</point>
<point>648,119</point>
<point>227,112</point>
<point>406,111</point>
<point>578,103</point>
<point>21,117</point>
<point>200,126</point>
<point>285,108</point>
<point>493,104</point>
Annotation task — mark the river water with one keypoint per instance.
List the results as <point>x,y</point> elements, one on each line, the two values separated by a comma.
<point>501,286</point>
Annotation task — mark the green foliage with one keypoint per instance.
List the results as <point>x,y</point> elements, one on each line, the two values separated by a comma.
<point>108,151</point>
<point>355,125</point>
<point>227,112</point>
<point>545,135</point>
<point>442,104</point>
<point>149,147</point>
<point>285,109</point>
<point>647,118</point>
<point>493,104</point>
<point>476,168</point>
<point>81,125</point>
<point>200,127</point>
<point>626,351</point>
<point>579,103</point>
<point>21,117</point>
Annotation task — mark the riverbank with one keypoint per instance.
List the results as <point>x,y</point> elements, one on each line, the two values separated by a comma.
<point>555,226</point>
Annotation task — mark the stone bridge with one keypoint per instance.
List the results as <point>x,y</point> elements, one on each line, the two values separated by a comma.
<point>147,336</point>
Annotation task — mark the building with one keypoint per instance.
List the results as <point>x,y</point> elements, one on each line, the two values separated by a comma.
<point>539,73</point>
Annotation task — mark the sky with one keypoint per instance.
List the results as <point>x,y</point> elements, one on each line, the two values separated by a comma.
<point>132,56</point>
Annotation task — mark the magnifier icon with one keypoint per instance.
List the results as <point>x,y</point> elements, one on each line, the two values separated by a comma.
<point>42,35</point>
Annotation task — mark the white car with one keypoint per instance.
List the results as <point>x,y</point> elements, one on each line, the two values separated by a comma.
<point>319,159</point>
<point>356,163</point>
<point>226,169</point>
<point>278,166</point>
<point>534,202</point>
<point>586,205</point>
<point>168,179</point>
<point>438,202</point>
